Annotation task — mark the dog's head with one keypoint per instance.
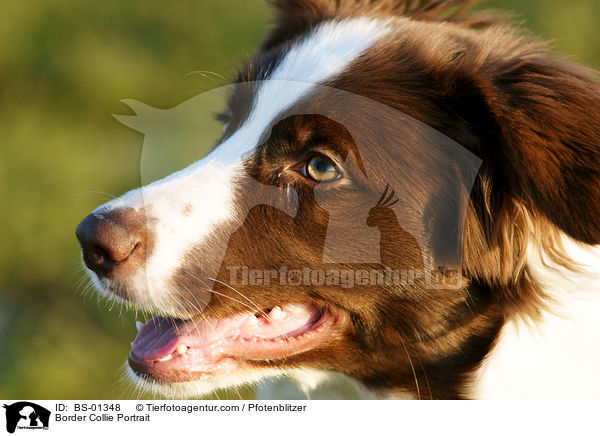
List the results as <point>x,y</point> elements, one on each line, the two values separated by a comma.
<point>368,209</point>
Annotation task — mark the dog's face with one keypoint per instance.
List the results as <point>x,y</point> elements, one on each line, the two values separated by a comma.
<point>340,160</point>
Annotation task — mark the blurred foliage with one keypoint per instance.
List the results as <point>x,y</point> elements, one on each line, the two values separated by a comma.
<point>64,67</point>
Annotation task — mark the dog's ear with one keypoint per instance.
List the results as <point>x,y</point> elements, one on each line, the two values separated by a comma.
<point>536,124</point>
<point>547,112</point>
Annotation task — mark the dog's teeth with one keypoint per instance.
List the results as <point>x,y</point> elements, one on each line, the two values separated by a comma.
<point>181,349</point>
<point>276,313</point>
<point>164,359</point>
<point>139,325</point>
<point>252,321</point>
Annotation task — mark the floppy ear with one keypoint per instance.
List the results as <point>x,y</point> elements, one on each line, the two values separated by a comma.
<point>547,112</point>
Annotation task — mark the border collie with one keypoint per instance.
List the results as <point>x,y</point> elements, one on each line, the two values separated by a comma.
<point>405,198</point>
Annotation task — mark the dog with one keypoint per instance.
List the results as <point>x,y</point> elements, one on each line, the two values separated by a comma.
<point>405,200</point>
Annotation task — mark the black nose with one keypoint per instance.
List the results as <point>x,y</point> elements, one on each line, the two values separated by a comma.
<point>112,239</point>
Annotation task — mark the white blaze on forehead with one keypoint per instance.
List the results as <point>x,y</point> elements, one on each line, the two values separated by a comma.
<point>205,189</point>
<point>323,54</point>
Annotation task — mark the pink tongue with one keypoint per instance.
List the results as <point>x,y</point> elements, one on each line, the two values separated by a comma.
<point>159,337</point>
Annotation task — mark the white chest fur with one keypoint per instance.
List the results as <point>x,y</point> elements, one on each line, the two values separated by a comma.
<point>558,357</point>
<point>313,384</point>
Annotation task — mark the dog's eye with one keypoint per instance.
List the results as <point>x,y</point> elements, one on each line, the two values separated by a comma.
<point>321,170</point>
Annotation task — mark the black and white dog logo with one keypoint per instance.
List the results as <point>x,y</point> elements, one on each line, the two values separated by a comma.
<point>26,415</point>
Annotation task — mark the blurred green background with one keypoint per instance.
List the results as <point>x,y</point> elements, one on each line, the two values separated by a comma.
<point>64,67</point>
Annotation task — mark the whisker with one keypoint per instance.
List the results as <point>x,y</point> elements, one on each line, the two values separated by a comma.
<point>426,378</point>
<point>260,310</point>
<point>241,294</point>
<point>412,369</point>
<point>197,309</point>
<point>109,195</point>
<point>206,73</point>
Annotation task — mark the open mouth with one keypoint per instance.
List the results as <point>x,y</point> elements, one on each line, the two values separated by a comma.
<point>171,350</point>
